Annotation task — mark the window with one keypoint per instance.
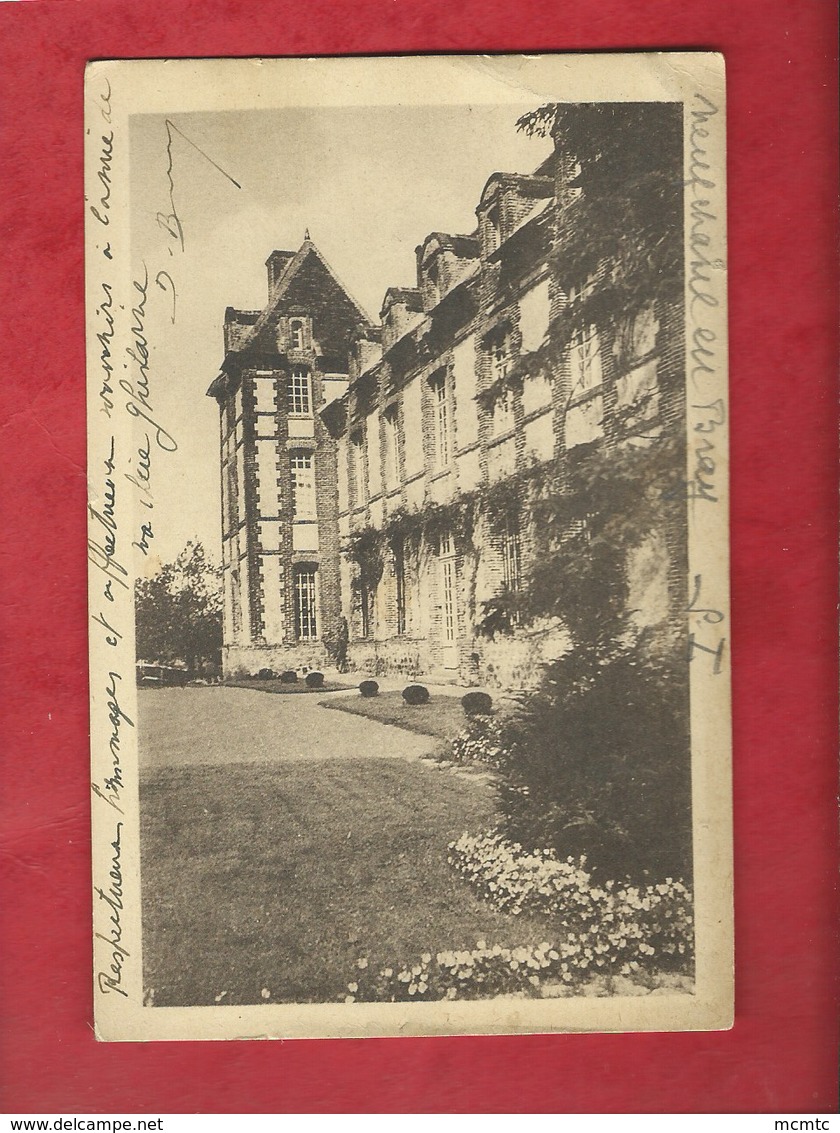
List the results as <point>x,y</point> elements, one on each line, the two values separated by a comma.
<point>306,603</point>
<point>296,337</point>
<point>512,555</point>
<point>303,485</point>
<point>232,488</point>
<point>399,579</point>
<point>500,355</point>
<point>440,401</point>
<point>300,392</point>
<point>357,467</point>
<point>391,425</point>
<point>364,611</point>
<point>585,360</point>
<point>235,604</point>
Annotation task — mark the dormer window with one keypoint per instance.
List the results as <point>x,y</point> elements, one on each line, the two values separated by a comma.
<point>296,334</point>
<point>300,392</point>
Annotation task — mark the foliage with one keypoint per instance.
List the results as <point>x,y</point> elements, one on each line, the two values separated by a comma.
<point>369,688</point>
<point>415,694</point>
<point>178,612</point>
<point>471,973</point>
<point>265,675</point>
<point>479,742</point>
<point>477,703</point>
<point>610,925</point>
<point>607,930</point>
<point>314,679</point>
<point>288,677</point>
<point>596,762</point>
<point>622,194</point>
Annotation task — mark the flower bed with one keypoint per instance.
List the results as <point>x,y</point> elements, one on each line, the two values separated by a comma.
<point>609,939</point>
<point>615,926</point>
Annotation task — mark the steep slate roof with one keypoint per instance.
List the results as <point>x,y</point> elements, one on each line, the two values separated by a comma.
<point>305,281</point>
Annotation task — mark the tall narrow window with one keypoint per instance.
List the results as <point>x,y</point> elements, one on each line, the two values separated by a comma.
<point>303,485</point>
<point>512,561</point>
<point>300,392</point>
<point>399,579</point>
<point>440,401</point>
<point>449,604</point>
<point>364,609</point>
<point>235,604</point>
<point>306,603</point>
<point>500,355</point>
<point>391,426</point>
<point>296,334</point>
<point>357,469</point>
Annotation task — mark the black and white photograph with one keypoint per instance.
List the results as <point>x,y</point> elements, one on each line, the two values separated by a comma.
<point>408,515</point>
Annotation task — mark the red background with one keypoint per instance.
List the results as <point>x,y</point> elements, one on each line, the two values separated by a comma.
<point>781,1054</point>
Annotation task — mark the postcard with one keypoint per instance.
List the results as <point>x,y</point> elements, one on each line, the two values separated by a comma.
<point>408,545</point>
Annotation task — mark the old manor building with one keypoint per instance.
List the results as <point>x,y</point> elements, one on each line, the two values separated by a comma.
<point>377,472</point>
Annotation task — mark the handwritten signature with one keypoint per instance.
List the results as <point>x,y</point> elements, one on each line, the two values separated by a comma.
<point>111,977</point>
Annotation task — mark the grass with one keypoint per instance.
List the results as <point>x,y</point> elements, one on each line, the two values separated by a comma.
<point>282,877</point>
<point>443,716</point>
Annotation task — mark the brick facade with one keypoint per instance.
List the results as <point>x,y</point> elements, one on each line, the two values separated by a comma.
<point>278,465</point>
<point>420,426</point>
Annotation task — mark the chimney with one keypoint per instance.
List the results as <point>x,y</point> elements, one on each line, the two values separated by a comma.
<point>276,264</point>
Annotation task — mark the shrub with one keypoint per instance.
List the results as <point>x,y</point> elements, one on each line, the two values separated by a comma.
<point>479,742</point>
<point>289,677</point>
<point>477,703</point>
<point>265,675</point>
<point>597,763</point>
<point>416,694</point>
<point>369,688</point>
<point>314,679</point>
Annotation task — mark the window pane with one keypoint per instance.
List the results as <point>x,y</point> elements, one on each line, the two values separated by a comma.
<point>306,604</point>
<point>442,424</point>
<point>303,485</point>
<point>300,399</point>
<point>399,577</point>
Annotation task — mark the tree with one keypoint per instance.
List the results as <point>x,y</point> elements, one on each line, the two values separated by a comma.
<point>597,760</point>
<point>179,612</point>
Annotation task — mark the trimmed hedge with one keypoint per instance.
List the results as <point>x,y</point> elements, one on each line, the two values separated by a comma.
<point>369,688</point>
<point>314,680</point>
<point>477,704</point>
<point>265,675</point>
<point>416,694</point>
<point>289,677</point>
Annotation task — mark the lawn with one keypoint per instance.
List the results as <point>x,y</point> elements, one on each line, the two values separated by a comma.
<point>277,878</point>
<point>443,716</point>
